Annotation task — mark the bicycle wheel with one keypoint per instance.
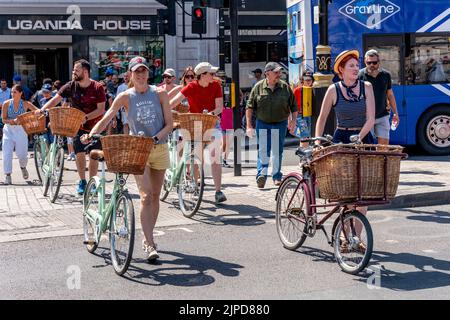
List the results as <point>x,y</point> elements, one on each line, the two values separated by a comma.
<point>39,157</point>
<point>165,187</point>
<point>190,189</point>
<point>353,242</point>
<point>291,231</point>
<point>121,235</point>
<point>57,174</point>
<point>91,205</point>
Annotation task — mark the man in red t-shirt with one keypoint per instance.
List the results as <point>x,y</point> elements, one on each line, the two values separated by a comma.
<point>87,95</point>
<point>205,93</point>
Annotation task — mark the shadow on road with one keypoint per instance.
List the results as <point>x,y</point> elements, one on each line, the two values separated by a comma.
<point>437,216</point>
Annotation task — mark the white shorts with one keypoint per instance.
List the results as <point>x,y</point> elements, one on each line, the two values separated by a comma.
<point>382,127</point>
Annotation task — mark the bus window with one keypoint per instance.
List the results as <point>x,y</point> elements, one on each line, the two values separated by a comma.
<point>390,61</point>
<point>429,60</point>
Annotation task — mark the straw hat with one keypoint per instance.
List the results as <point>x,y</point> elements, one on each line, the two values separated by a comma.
<point>341,56</point>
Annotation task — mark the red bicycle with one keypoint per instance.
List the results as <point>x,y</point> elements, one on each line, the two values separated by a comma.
<point>297,215</point>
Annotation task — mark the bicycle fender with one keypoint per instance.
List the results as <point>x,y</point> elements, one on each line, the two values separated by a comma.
<point>292,174</point>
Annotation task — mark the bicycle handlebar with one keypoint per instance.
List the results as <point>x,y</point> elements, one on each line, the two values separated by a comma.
<point>94,139</point>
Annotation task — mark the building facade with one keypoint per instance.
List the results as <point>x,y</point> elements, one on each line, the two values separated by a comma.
<point>42,38</point>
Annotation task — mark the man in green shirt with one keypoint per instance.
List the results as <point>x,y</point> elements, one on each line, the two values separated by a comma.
<point>276,111</point>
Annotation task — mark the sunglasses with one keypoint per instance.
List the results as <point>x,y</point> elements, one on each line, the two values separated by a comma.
<point>169,77</point>
<point>189,77</point>
<point>372,62</point>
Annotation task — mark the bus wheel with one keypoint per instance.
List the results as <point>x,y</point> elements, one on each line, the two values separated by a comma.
<point>433,133</point>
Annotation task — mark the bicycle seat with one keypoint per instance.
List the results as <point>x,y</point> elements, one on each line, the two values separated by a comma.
<point>97,155</point>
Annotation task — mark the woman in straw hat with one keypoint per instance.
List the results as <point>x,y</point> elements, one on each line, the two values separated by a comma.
<point>352,99</point>
<point>354,104</point>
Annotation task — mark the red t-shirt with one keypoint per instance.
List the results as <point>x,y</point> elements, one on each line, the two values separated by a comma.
<point>298,98</point>
<point>201,98</point>
<point>84,99</point>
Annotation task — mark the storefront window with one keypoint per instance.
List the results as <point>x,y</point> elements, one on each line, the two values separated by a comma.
<point>25,67</point>
<point>113,53</point>
<point>428,61</point>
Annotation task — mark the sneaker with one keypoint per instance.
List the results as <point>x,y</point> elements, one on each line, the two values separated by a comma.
<point>151,252</point>
<point>8,179</point>
<point>261,181</point>
<point>71,157</point>
<point>81,187</point>
<point>220,197</point>
<point>24,173</point>
<point>277,182</point>
<point>225,164</point>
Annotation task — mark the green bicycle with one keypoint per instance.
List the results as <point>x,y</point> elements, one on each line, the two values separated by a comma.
<point>50,165</point>
<point>189,186</point>
<point>114,216</point>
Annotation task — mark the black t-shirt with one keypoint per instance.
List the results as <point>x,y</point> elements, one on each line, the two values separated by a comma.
<point>381,84</point>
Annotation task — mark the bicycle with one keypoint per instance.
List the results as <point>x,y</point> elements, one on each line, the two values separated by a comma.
<point>297,216</point>
<point>190,183</point>
<point>49,164</point>
<point>114,216</point>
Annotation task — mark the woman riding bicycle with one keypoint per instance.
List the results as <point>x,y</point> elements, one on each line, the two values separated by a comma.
<point>148,111</point>
<point>353,102</point>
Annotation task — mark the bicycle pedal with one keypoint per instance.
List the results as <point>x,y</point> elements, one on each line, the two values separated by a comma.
<point>90,242</point>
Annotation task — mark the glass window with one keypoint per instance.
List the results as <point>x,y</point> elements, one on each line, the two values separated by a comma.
<point>390,61</point>
<point>113,53</point>
<point>428,61</point>
<point>25,67</point>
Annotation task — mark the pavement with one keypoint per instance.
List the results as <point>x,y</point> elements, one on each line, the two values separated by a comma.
<point>25,214</point>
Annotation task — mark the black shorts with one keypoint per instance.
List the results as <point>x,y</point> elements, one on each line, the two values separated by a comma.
<point>79,147</point>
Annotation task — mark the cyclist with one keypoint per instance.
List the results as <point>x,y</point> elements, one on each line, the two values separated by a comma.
<point>205,93</point>
<point>148,111</point>
<point>14,136</point>
<point>88,96</point>
<point>353,102</point>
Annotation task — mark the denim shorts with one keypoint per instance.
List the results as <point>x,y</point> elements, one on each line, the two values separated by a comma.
<point>344,136</point>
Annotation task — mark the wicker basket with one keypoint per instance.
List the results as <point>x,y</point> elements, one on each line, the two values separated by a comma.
<point>336,170</point>
<point>32,123</point>
<point>197,125</point>
<point>66,121</point>
<point>181,108</point>
<point>125,153</point>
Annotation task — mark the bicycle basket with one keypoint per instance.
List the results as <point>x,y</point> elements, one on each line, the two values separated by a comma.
<point>197,126</point>
<point>32,123</point>
<point>125,153</point>
<point>66,121</point>
<point>357,172</point>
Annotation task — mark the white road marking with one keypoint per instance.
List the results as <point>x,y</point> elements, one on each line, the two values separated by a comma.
<point>184,229</point>
<point>429,251</point>
<point>391,241</point>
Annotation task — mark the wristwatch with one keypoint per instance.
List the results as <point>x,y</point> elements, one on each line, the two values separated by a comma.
<point>212,112</point>
<point>155,138</point>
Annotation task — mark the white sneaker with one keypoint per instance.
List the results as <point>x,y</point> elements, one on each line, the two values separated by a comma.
<point>8,179</point>
<point>152,254</point>
<point>24,173</point>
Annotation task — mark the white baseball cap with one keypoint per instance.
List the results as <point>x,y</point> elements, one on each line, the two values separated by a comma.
<point>170,72</point>
<point>203,67</point>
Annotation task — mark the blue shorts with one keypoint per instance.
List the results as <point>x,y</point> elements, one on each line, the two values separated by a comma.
<point>344,136</point>
<point>303,128</point>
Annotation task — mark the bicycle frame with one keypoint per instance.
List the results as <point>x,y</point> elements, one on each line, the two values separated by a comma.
<point>50,158</point>
<point>105,208</point>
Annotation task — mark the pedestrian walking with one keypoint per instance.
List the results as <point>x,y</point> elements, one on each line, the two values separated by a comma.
<point>205,93</point>
<point>384,96</point>
<point>122,120</point>
<point>14,136</point>
<point>187,77</point>
<point>169,77</point>
<point>276,110</point>
<point>36,99</point>
<point>303,127</point>
<point>88,96</point>
<point>148,111</point>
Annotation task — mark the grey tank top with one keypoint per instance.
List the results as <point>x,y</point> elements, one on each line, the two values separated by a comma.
<point>350,114</point>
<point>145,113</point>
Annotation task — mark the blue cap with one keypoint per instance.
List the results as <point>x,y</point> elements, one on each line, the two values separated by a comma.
<point>47,87</point>
<point>109,71</point>
<point>17,78</point>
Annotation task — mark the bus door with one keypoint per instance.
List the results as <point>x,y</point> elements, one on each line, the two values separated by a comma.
<point>390,48</point>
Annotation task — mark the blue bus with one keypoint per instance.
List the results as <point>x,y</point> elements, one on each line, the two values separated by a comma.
<point>413,39</point>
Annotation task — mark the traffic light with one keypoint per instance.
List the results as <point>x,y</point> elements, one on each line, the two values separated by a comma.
<point>167,18</point>
<point>199,19</point>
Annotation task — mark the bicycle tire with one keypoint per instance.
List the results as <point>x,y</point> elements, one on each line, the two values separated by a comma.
<point>298,239</point>
<point>129,227</point>
<point>189,213</point>
<point>338,245</point>
<point>89,230</point>
<point>38,159</point>
<point>59,166</point>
